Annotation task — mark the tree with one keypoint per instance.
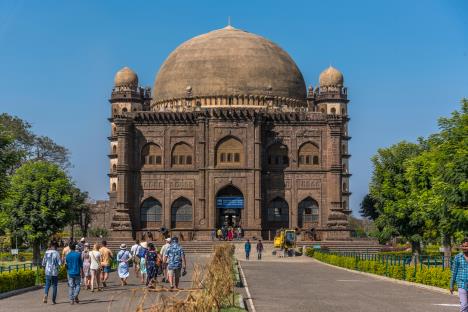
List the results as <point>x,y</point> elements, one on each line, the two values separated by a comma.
<point>38,202</point>
<point>390,189</point>
<point>368,209</point>
<point>9,157</point>
<point>80,211</point>
<point>31,146</point>
<point>439,179</point>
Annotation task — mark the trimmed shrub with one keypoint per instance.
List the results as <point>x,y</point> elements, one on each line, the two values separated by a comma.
<point>17,279</point>
<point>433,276</point>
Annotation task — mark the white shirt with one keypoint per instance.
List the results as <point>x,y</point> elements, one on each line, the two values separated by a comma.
<point>95,257</point>
<point>164,249</point>
<point>134,250</point>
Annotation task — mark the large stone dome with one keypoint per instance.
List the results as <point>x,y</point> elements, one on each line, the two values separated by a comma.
<point>229,61</point>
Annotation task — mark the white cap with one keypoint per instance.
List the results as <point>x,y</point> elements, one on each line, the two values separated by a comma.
<point>168,239</point>
<point>82,239</point>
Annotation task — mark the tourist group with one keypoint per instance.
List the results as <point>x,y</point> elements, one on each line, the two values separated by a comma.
<point>90,265</point>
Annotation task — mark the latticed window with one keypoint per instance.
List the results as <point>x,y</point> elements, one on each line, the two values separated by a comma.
<point>278,155</point>
<point>308,211</point>
<point>151,154</point>
<point>278,210</point>
<point>309,155</point>
<point>181,211</point>
<point>150,213</point>
<point>229,152</point>
<point>182,155</point>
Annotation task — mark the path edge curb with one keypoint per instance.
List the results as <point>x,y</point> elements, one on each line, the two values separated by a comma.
<point>19,291</point>
<point>389,279</point>
<point>244,282</point>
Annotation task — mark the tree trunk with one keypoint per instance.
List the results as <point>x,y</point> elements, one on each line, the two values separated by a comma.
<point>447,244</point>
<point>36,253</point>
<point>416,250</point>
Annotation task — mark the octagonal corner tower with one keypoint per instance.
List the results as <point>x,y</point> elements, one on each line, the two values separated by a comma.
<point>229,67</point>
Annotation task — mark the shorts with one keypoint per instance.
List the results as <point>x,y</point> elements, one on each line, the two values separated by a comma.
<point>174,272</point>
<point>106,268</point>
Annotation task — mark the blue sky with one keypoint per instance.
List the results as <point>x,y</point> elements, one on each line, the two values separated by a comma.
<point>405,64</point>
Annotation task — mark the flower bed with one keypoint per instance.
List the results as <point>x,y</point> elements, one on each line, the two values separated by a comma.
<point>433,276</point>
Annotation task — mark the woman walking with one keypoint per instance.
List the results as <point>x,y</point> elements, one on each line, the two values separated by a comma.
<point>86,266</point>
<point>95,267</point>
<point>152,260</point>
<point>141,255</point>
<point>259,250</point>
<point>122,258</point>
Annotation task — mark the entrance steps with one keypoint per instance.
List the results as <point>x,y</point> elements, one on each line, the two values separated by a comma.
<point>204,247</point>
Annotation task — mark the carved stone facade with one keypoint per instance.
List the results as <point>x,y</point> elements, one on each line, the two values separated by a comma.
<point>262,161</point>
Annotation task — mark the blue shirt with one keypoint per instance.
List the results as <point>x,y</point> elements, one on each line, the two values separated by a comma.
<point>174,255</point>
<point>459,272</point>
<point>247,247</point>
<point>74,263</point>
<point>51,262</point>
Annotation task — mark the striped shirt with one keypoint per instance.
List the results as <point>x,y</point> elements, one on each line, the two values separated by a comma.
<point>459,272</point>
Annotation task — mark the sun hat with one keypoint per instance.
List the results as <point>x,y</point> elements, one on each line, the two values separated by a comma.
<point>168,239</point>
<point>123,246</point>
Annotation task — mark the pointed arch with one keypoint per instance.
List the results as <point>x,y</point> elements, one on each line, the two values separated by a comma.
<point>150,213</point>
<point>181,213</point>
<point>229,152</point>
<point>182,155</point>
<point>308,155</point>
<point>308,211</point>
<point>278,211</point>
<point>278,156</point>
<point>151,154</point>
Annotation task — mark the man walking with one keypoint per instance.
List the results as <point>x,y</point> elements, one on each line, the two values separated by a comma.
<point>74,270</point>
<point>460,275</point>
<point>135,259</point>
<point>175,259</point>
<point>259,250</point>
<point>106,257</point>
<point>247,248</point>
<point>51,262</point>
<point>164,265</point>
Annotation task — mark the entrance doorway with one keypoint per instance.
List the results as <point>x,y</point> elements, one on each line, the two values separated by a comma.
<point>229,206</point>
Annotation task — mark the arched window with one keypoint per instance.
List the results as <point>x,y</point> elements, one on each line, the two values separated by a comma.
<point>308,211</point>
<point>322,110</point>
<point>345,187</point>
<point>114,187</point>
<point>114,149</point>
<point>343,149</point>
<point>151,154</point>
<point>114,168</point>
<point>114,131</point>
<point>181,213</point>
<point>309,155</point>
<point>343,112</point>
<point>182,155</point>
<point>344,168</point>
<point>229,152</point>
<point>124,110</point>
<point>333,110</point>
<point>278,155</point>
<point>150,213</point>
<point>345,205</point>
<point>278,210</point>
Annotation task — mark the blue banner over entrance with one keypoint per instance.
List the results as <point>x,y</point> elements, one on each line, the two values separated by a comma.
<point>234,202</point>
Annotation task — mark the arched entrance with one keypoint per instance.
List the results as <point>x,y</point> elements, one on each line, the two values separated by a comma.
<point>229,206</point>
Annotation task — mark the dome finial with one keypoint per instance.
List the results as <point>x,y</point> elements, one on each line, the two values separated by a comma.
<point>229,26</point>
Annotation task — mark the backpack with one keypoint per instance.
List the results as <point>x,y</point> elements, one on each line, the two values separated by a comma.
<point>142,252</point>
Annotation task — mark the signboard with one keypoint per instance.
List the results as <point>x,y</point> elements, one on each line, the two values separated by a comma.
<point>14,251</point>
<point>234,202</point>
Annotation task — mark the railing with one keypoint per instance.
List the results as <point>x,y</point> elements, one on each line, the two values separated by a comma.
<point>16,267</point>
<point>419,262</point>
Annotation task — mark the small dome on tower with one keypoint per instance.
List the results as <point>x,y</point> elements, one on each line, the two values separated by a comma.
<point>126,77</point>
<point>331,77</point>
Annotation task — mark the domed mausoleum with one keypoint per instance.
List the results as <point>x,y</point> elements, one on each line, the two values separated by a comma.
<point>229,136</point>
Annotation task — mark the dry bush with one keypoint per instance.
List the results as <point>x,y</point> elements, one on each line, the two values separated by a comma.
<point>211,289</point>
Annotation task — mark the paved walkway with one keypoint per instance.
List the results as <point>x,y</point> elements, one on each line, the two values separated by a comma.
<point>114,298</point>
<point>303,284</point>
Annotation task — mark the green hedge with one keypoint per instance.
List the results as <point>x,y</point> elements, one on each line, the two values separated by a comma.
<point>433,276</point>
<point>25,278</point>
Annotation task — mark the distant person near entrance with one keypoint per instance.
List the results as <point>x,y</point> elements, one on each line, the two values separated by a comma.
<point>247,248</point>
<point>259,250</point>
